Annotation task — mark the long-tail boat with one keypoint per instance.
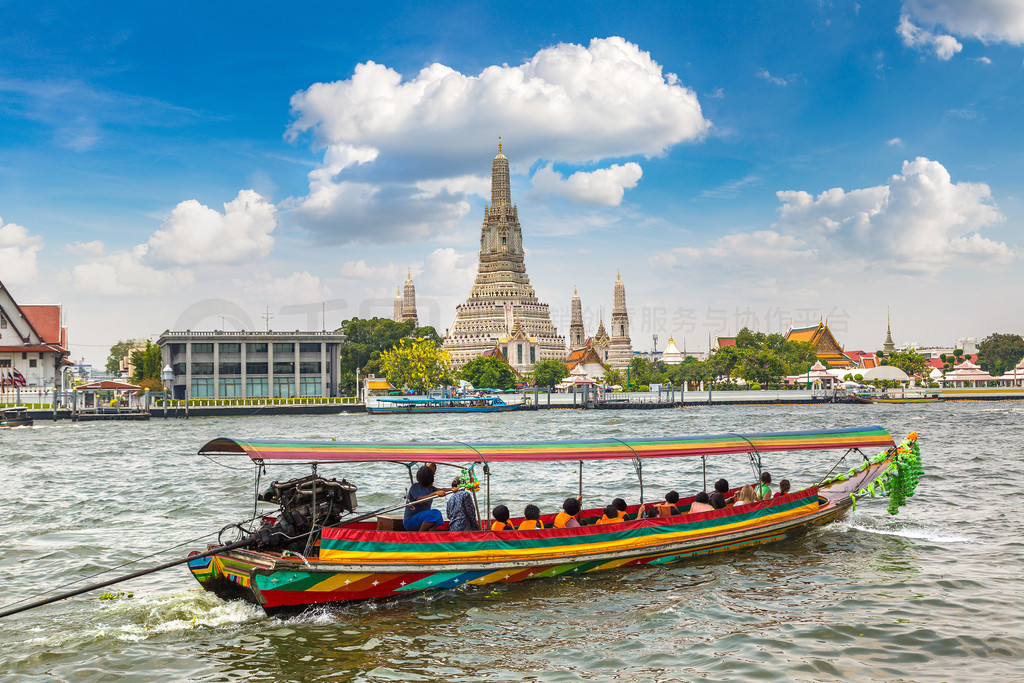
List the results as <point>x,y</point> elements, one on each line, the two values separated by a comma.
<point>403,405</point>
<point>15,416</point>
<point>317,551</point>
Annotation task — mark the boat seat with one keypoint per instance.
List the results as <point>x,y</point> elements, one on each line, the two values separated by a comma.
<point>390,523</point>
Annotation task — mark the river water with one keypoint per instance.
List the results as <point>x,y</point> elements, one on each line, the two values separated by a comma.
<point>932,594</point>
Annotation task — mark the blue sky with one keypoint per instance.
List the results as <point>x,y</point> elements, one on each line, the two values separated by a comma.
<point>739,163</point>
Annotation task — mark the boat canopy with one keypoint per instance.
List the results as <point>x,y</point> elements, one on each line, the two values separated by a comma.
<point>549,451</point>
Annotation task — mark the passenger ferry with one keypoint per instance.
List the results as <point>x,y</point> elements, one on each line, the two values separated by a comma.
<point>401,404</point>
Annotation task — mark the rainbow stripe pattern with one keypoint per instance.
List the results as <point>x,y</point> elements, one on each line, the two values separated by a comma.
<point>549,451</point>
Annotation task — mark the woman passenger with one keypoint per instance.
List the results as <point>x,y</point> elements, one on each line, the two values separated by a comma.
<point>783,488</point>
<point>461,510</point>
<point>763,490</point>
<point>746,496</point>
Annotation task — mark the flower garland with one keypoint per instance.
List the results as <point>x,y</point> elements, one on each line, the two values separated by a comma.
<point>898,481</point>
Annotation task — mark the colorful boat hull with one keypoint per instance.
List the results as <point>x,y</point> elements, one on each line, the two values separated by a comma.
<point>363,564</point>
<point>899,399</point>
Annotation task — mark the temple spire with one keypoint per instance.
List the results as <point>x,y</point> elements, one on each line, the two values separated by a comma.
<point>889,346</point>
<point>501,194</point>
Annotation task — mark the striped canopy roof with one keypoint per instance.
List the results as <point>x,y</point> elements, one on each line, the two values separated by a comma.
<point>548,451</point>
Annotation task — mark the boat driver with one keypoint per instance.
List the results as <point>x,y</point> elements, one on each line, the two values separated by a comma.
<point>420,517</point>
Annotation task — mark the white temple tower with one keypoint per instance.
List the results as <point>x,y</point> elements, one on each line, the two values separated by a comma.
<point>501,293</point>
<point>397,316</point>
<point>621,348</point>
<point>577,337</point>
<point>409,301</point>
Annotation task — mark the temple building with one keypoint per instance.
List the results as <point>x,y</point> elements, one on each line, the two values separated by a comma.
<point>501,298</point>
<point>33,343</point>
<point>823,342</point>
<point>616,349</point>
<point>405,303</point>
<point>889,346</point>
<point>672,355</point>
<point>577,337</point>
<point>621,351</point>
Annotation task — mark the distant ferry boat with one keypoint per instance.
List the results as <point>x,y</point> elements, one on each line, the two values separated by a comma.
<point>485,404</point>
<point>16,416</point>
<point>894,399</point>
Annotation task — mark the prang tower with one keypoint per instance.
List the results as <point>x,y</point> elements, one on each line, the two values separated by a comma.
<point>405,304</point>
<point>621,348</point>
<point>502,296</point>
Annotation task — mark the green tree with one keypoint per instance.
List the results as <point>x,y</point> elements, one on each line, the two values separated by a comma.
<point>613,377</point>
<point>489,372</point>
<point>118,351</point>
<point>418,364</point>
<point>909,361</point>
<point>641,371</point>
<point>367,339</point>
<point>999,353</point>
<point>724,360</point>
<point>762,367</point>
<point>548,373</point>
<point>146,363</point>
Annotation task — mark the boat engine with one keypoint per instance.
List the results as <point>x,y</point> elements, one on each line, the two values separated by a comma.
<point>306,503</point>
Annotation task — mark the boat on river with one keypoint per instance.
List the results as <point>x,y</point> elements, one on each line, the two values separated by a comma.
<point>316,550</point>
<point>476,404</point>
<point>15,416</point>
<point>896,399</point>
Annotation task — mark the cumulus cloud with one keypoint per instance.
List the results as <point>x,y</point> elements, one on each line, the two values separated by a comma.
<point>989,21</point>
<point>919,221</point>
<point>18,249</point>
<point>126,272</point>
<point>605,186</point>
<point>195,233</point>
<point>391,272</point>
<point>387,137</point>
<point>944,46</point>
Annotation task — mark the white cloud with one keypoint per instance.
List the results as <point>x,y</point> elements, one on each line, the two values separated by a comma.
<point>18,249</point>
<point>918,222</point>
<point>763,246</point>
<point>298,288</point>
<point>391,272</point>
<point>894,142</point>
<point>983,60</point>
<point>989,21</point>
<point>777,80</point>
<point>605,186</point>
<point>195,233</point>
<point>944,46</point>
<point>125,273</point>
<point>566,104</point>
<point>93,248</point>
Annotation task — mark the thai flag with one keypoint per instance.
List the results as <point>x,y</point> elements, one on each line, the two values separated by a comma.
<point>18,379</point>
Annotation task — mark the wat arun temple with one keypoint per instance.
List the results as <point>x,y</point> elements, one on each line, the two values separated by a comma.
<point>502,313</point>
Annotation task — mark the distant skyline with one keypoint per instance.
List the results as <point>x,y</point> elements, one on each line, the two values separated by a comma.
<point>741,164</point>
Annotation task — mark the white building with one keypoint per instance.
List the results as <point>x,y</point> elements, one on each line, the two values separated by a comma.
<point>33,342</point>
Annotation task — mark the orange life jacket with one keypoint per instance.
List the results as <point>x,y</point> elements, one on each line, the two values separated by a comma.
<point>561,519</point>
<point>530,525</point>
<point>502,526</point>
<point>604,520</point>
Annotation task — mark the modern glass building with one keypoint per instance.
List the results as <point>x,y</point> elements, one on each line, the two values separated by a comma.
<point>252,364</point>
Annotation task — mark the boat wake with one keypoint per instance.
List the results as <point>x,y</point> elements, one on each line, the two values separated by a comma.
<point>912,532</point>
<point>169,612</point>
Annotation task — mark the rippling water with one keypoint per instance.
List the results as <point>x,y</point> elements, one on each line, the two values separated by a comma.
<point>929,595</point>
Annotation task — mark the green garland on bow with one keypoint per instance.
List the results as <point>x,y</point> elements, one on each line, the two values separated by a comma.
<point>898,481</point>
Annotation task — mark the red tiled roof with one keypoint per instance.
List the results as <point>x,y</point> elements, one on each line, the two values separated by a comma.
<point>726,341</point>
<point>45,320</point>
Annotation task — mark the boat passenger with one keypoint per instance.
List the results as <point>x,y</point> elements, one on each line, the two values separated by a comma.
<point>420,517</point>
<point>746,496</point>
<point>461,510</point>
<point>668,508</point>
<point>532,521</point>
<point>566,519</point>
<point>763,490</point>
<point>717,500</point>
<point>722,486</point>
<point>783,488</point>
<point>611,515</point>
<point>620,507</point>
<point>501,523</point>
<point>620,512</point>
<point>701,503</point>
